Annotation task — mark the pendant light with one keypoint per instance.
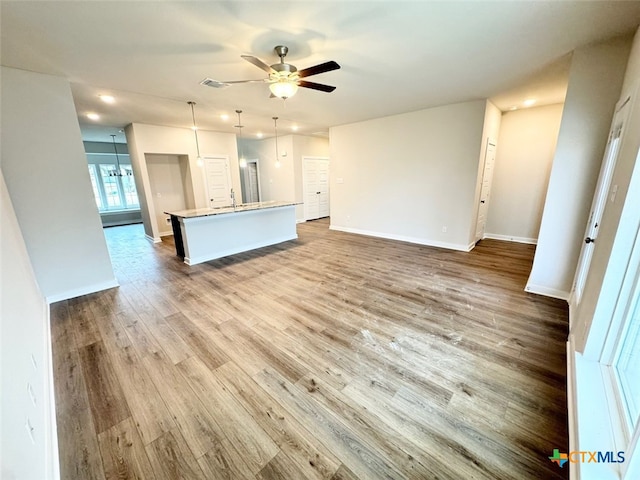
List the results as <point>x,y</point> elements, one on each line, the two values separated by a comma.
<point>275,125</point>
<point>242,161</point>
<point>199,161</point>
<point>118,171</point>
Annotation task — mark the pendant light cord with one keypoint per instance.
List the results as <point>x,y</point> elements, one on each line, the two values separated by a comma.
<point>118,172</point>
<point>275,123</point>
<point>240,129</point>
<point>195,127</point>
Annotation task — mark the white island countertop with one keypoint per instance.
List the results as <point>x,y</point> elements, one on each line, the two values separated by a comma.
<point>244,207</point>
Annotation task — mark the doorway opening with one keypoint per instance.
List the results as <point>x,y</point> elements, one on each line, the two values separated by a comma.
<point>171,188</point>
<point>250,182</point>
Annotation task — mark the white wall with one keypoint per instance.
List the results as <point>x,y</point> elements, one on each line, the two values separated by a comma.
<point>169,182</point>
<point>277,183</point>
<point>45,169</point>
<point>153,139</point>
<point>407,176</point>
<point>527,143</point>
<point>592,316</point>
<point>24,331</point>
<point>595,79</point>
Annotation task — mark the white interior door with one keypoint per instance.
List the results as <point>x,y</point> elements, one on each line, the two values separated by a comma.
<point>218,181</point>
<point>600,197</point>
<point>485,189</point>
<point>323,188</point>
<point>316,187</point>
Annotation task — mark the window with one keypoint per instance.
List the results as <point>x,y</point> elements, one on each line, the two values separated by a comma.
<point>94,185</point>
<point>129,188</point>
<point>113,193</point>
<point>627,365</point>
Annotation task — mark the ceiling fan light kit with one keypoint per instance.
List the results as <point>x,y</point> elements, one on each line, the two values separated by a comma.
<point>283,88</point>
<point>283,78</point>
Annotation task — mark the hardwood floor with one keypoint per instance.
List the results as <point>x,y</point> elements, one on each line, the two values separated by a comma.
<point>335,356</point>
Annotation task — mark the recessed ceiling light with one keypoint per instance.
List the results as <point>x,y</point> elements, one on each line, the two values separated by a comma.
<point>529,102</point>
<point>107,98</point>
<point>259,135</point>
<point>194,128</point>
<point>294,128</point>
<point>513,107</point>
<point>224,117</point>
<point>93,116</point>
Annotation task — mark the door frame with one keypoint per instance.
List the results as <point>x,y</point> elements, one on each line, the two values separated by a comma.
<point>601,193</point>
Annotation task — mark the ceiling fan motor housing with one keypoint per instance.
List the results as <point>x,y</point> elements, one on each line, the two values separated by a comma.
<point>283,70</point>
<point>284,67</point>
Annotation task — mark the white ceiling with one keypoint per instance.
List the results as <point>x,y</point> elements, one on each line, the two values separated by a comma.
<point>396,56</point>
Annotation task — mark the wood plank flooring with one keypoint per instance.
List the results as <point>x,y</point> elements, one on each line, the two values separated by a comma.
<point>333,357</point>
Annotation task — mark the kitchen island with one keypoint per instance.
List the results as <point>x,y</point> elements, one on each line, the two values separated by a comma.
<point>204,234</point>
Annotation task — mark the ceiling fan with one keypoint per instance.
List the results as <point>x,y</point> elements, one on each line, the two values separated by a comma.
<point>284,78</point>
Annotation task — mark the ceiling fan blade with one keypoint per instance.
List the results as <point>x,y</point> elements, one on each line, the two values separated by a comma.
<point>258,63</point>
<point>210,82</point>
<point>323,67</point>
<point>316,86</point>
<point>262,80</point>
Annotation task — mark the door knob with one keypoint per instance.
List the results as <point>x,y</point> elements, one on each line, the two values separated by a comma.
<point>589,240</point>
<point>481,201</point>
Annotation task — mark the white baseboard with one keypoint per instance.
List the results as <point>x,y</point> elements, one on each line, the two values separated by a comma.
<point>511,238</point>
<point>51,436</point>
<point>404,238</point>
<point>152,239</point>
<point>85,290</point>
<point>547,292</point>
<point>572,407</point>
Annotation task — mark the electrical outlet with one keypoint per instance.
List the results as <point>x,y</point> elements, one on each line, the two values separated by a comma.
<point>168,220</point>
<point>444,229</point>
